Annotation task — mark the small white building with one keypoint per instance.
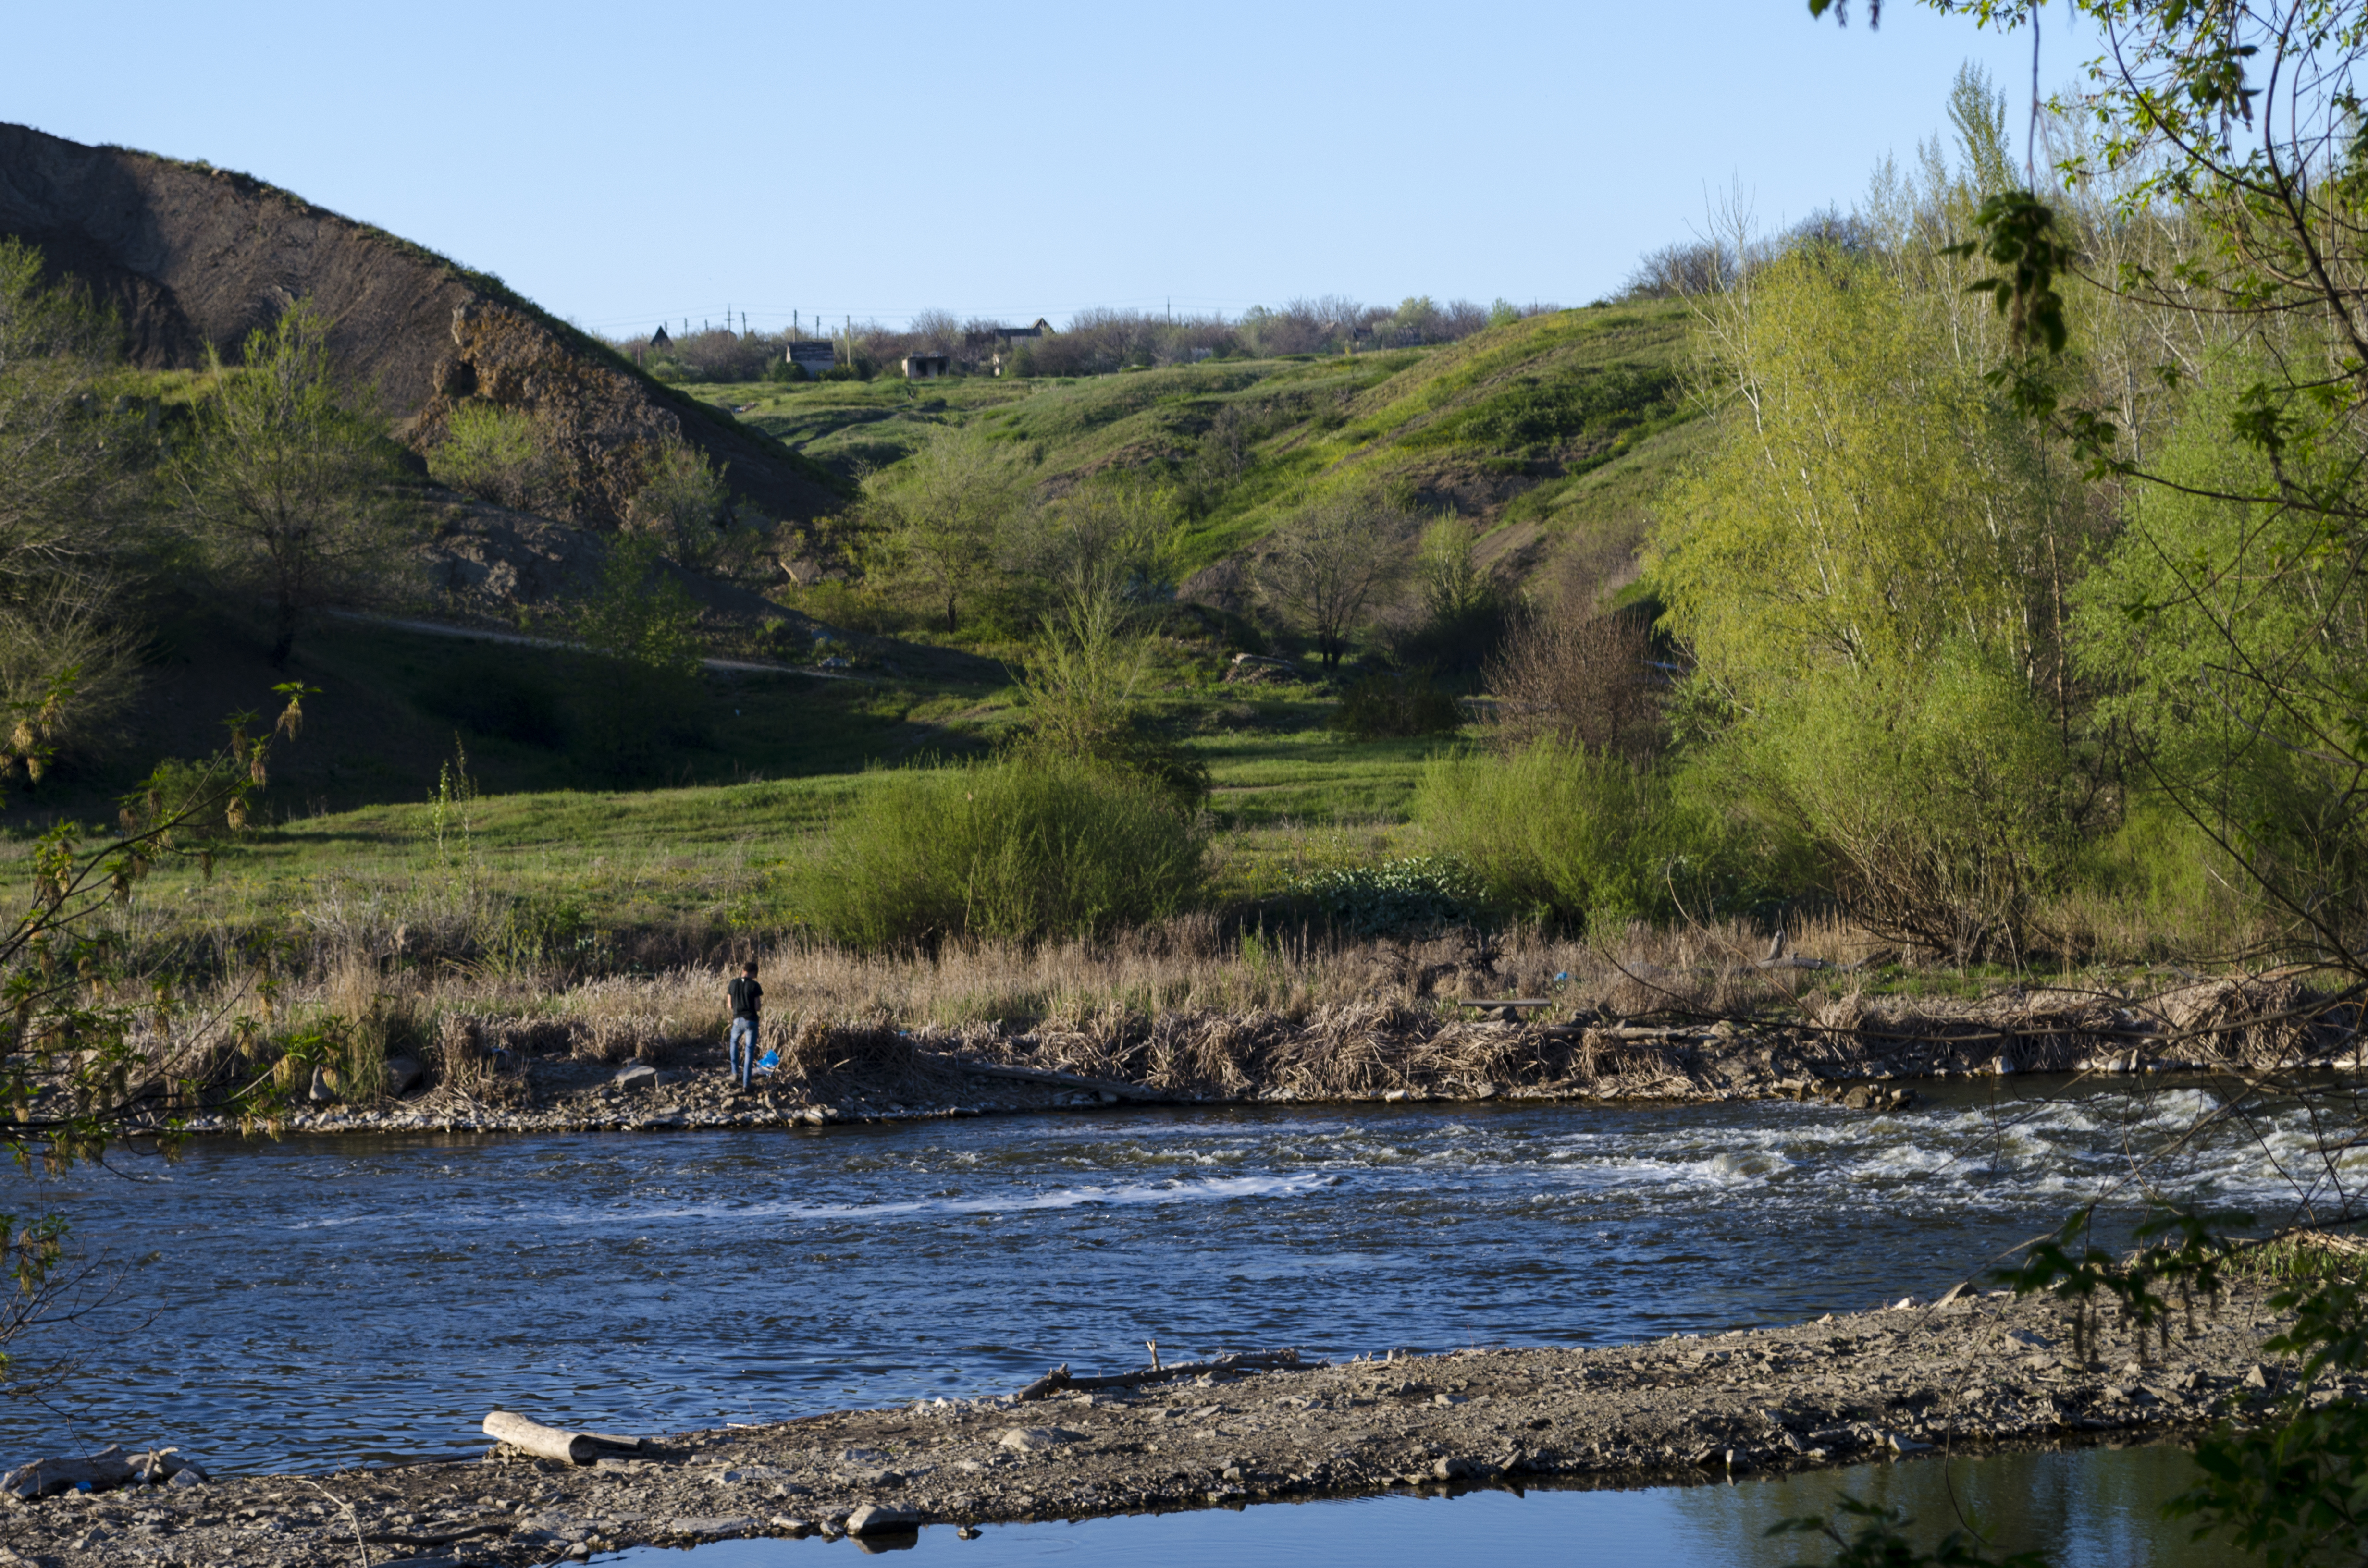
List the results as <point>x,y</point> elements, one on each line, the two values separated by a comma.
<point>813,358</point>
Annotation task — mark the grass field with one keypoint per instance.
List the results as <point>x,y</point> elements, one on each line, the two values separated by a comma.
<point>671,869</point>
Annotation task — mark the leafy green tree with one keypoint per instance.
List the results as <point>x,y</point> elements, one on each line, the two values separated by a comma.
<point>1454,586</point>
<point>1083,701</point>
<point>2231,644</point>
<point>1876,528</point>
<point>1337,559</point>
<point>638,615</point>
<point>85,1057</point>
<point>684,503</point>
<point>72,473</point>
<point>939,516</point>
<point>2237,582</point>
<point>288,481</point>
<point>1111,541</point>
<point>643,697</point>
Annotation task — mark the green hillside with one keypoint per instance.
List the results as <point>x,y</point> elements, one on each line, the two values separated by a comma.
<point>1555,426</point>
<point>1552,429</point>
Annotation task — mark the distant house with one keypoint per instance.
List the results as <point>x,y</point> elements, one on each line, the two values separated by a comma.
<point>925,366</point>
<point>659,339</point>
<point>813,358</point>
<point>994,336</point>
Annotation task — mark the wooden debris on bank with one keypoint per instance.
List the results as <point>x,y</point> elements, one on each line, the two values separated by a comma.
<point>553,1442</point>
<point>101,1471</point>
<point>1058,1379</point>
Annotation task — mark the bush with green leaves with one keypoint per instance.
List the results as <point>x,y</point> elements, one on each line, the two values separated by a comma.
<point>1418,894</point>
<point>1019,849</point>
<point>684,503</point>
<point>643,697</point>
<point>499,455</point>
<point>290,482</point>
<point>1084,703</point>
<point>1945,805</point>
<point>1576,836</point>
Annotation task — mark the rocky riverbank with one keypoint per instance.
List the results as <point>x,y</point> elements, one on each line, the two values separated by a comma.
<point>489,1075</point>
<point>1970,1373</point>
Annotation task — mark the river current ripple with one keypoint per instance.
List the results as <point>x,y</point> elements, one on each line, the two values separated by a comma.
<point>319,1301</point>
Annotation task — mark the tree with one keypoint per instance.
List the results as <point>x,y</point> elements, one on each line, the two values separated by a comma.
<point>1106,542</point>
<point>72,470</point>
<point>1083,702</point>
<point>940,514</point>
<point>1332,563</point>
<point>287,479</point>
<point>2237,588</point>
<point>1580,678</point>
<point>685,505</point>
<point>642,697</point>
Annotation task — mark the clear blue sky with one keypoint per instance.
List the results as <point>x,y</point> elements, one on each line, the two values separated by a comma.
<point>625,164</point>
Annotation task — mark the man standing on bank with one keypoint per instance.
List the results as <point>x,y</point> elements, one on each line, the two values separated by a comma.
<point>747,1002</point>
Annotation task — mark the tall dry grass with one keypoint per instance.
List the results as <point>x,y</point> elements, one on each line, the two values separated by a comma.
<point>469,1026</point>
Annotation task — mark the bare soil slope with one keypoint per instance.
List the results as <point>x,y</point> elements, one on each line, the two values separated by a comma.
<point>194,257</point>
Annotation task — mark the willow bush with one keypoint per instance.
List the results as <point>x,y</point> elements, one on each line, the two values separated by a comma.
<point>1041,847</point>
<point>1559,832</point>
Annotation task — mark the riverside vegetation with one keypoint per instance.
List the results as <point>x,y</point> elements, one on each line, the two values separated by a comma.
<point>1849,636</point>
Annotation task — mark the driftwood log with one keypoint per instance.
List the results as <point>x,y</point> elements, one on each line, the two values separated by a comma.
<point>551,1442</point>
<point>102,1471</point>
<point>1058,1379</point>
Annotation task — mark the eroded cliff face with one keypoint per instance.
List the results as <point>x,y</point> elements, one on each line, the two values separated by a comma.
<point>193,257</point>
<point>599,418</point>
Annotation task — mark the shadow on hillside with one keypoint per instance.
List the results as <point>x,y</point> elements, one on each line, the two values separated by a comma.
<point>393,706</point>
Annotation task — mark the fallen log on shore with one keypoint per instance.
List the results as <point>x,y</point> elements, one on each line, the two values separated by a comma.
<point>553,1442</point>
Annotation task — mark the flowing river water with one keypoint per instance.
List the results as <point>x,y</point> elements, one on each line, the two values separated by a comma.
<point>321,1302</point>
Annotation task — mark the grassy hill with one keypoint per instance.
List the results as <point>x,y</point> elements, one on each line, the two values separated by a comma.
<point>1556,426</point>
<point>1550,430</point>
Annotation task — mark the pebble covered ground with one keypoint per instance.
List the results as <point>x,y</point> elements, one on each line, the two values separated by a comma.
<point>1969,1373</point>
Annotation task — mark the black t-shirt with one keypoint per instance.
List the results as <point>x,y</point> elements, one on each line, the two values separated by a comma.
<point>746,995</point>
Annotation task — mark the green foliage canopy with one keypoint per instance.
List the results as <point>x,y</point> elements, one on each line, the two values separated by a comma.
<point>287,480</point>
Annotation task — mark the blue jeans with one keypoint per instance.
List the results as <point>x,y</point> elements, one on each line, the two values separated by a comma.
<point>742,1047</point>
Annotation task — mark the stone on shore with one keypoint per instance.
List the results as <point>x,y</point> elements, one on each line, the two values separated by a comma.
<point>729,1527</point>
<point>1029,1438</point>
<point>873,1518</point>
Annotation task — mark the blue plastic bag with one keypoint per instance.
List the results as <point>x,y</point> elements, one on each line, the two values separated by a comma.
<point>766,1063</point>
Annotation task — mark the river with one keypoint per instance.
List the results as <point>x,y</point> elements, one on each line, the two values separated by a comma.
<point>321,1302</point>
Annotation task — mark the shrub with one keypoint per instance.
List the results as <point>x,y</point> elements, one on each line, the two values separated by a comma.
<point>1043,847</point>
<point>1380,707</point>
<point>1560,831</point>
<point>684,503</point>
<point>498,455</point>
<point>1420,893</point>
<point>1945,804</point>
<point>1084,704</point>
<point>1581,677</point>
